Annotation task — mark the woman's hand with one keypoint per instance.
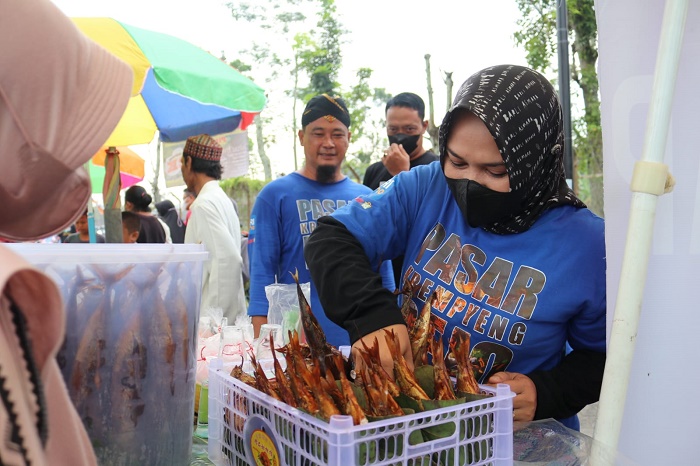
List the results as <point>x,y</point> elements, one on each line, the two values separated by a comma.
<point>525,401</point>
<point>384,354</point>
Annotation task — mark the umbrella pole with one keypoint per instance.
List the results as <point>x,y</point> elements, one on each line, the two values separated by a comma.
<point>90,212</point>
<point>110,192</point>
<point>650,180</point>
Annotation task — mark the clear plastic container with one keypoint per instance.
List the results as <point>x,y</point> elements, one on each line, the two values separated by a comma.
<point>128,357</point>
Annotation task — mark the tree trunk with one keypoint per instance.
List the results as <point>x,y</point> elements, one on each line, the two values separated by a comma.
<point>448,87</point>
<point>294,109</point>
<point>156,176</point>
<point>261,148</point>
<point>432,129</point>
<point>582,20</point>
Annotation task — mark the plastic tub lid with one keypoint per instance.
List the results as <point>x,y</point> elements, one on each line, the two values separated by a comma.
<point>109,253</point>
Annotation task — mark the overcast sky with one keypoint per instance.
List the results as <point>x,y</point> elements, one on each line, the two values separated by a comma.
<point>391,37</point>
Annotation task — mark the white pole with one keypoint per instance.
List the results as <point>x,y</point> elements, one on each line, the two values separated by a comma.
<point>647,184</point>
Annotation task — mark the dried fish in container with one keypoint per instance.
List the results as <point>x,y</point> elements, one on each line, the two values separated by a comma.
<point>315,336</point>
<point>80,292</point>
<point>283,387</point>
<point>460,347</point>
<point>351,406</point>
<point>370,356</point>
<point>238,373</point>
<point>129,370</point>
<point>375,404</point>
<point>304,399</point>
<point>329,385</point>
<point>408,307</point>
<point>420,356</point>
<point>390,406</point>
<point>404,377</point>
<point>310,379</point>
<point>418,334</point>
<point>261,381</point>
<point>443,382</point>
<point>327,407</point>
<point>184,331</point>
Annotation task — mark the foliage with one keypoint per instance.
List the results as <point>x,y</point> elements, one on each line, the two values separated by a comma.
<point>538,35</point>
<point>244,191</point>
<point>313,60</point>
<point>267,61</point>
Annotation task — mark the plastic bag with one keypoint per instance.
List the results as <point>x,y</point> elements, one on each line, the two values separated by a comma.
<point>548,442</point>
<point>209,340</point>
<point>284,306</point>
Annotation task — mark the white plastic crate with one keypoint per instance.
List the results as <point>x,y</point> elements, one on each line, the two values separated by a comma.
<point>248,427</point>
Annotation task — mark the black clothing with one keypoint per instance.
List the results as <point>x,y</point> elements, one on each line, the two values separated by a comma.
<point>168,213</point>
<point>375,175</point>
<point>377,172</point>
<point>348,254</point>
<point>151,230</point>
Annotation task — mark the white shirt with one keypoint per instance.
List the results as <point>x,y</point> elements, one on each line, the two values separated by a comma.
<point>215,224</point>
<point>166,228</point>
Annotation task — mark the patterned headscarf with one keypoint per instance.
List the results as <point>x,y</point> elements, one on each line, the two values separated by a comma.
<point>521,110</point>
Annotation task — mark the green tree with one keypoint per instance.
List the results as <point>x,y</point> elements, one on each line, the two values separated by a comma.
<point>320,57</point>
<point>323,62</point>
<point>538,35</point>
<point>269,62</point>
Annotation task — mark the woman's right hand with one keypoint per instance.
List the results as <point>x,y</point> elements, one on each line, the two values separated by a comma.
<point>384,354</point>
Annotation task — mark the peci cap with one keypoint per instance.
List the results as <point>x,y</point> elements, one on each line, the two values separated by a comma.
<point>56,111</point>
<point>203,147</point>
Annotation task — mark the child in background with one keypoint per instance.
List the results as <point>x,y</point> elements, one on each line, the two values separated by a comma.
<point>83,232</point>
<point>131,224</point>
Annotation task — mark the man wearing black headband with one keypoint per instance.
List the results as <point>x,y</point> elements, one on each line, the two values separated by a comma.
<point>405,127</point>
<point>287,209</point>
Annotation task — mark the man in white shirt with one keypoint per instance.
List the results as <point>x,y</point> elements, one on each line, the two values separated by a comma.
<point>215,224</point>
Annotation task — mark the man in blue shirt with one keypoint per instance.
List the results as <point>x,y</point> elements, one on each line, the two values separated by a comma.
<point>287,209</point>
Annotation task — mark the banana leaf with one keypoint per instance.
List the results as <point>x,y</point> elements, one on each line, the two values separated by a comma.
<point>406,401</point>
<point>426,379</point>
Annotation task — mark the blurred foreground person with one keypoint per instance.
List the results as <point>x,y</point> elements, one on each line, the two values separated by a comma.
<point>516,260</point>
<point>56,111</point>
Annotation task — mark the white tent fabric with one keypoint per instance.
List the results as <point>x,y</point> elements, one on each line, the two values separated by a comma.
<point>660,414</point>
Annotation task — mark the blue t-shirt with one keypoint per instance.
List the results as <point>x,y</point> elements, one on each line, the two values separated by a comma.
<point>521,297</point>
<point>283,217</point>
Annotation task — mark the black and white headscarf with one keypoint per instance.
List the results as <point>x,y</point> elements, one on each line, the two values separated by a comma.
<point>521,110</point>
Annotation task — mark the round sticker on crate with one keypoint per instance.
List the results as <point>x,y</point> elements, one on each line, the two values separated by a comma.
<point>261,446</point>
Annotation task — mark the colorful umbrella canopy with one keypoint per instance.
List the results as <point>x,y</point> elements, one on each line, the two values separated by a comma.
<point>131,168</point>
<point>179,89</point>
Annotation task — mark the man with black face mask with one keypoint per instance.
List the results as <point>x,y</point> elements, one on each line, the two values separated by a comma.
<point>287,209</point>
<point>405,126</point>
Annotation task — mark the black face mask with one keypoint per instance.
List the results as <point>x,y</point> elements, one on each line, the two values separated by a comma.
<point>482,206</point>
<point>409,143</point>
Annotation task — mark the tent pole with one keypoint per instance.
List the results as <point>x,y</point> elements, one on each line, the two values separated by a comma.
<point>648,183</point>
<point>564,88</point>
